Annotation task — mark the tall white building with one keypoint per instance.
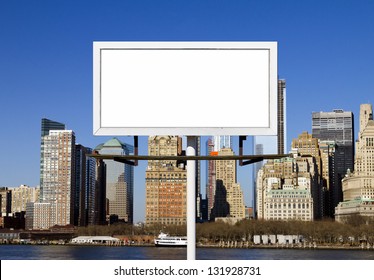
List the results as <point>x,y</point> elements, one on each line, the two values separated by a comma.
<point>358,186</point>
<point>46,126</point>
<point>59,174</point>
<point>284,190</point>
<point>57,180</point>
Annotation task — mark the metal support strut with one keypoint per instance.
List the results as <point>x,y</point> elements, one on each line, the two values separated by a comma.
<point>250,161</point>
<point>133,162</point>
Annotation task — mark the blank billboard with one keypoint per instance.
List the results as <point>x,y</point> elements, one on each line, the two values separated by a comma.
<point>185,88</point>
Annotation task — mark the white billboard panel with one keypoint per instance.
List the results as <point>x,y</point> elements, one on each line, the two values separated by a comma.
<point>185,88</point>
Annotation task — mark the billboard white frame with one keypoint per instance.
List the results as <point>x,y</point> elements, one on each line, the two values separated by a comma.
<point>185,88</point>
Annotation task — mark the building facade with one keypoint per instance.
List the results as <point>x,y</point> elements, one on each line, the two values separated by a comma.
<point>337,128</point>
<point>166,183</point>
<point>96,208</point>
<point>259,150</point>
<point>228,199</point>
<point>327,151</point>
<point>119,181</point>
<point>57,181</point>
<point>46,126</point>
<point>307,147</point>
<point>59,176</point>
<point>281,100</point>
<point>40,215</point>
<point>284,190</point>
<point>166,196</point>
<point>22,195</point>
<point>85,178</point>
<point>358,186</point>
<point>210,177</point>
<point>5,201</point>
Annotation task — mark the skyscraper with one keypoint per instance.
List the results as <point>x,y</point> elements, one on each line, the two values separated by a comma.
<point>366,115</point>
<point>210,177</point>
<point>228,191</point>
<point>327,149</point>
<point>119,181</point>
<point>166,183</point>
<point>281,116</point>
<point>59,175</point>
<point>57,178</point>
<point>46,126</point>
<point>213,146</point>
<point>259,150</point>
<point>271,144</point>
<point>220,142</point>
<point>358,186</point>
<point>97,196</point>
<point>307,146</point>
<point>336,126</point>
<point>84,184</point>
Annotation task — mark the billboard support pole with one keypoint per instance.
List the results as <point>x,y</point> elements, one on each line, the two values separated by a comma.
<point>191,198</point>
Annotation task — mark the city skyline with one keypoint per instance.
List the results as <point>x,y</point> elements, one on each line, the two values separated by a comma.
<point>46,64</point>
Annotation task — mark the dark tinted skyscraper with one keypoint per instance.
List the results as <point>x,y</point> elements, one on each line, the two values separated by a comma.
<point>336,126</point>
<point>84,184</point>
<point>281,115</point>
<point>97,197</point>
<point>48,125</point>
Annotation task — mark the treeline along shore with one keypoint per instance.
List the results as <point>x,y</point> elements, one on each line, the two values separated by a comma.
<point>357,232</point>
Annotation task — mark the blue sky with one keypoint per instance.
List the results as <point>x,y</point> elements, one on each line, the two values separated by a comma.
<point>324,53</point>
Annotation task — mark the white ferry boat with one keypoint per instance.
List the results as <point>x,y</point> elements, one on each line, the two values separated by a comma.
<point>171,241</point>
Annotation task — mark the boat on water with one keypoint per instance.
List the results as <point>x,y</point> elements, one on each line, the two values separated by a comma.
<point>170,241</point>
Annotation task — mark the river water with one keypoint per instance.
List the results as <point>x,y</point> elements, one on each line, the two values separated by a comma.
<point>54,252</point>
